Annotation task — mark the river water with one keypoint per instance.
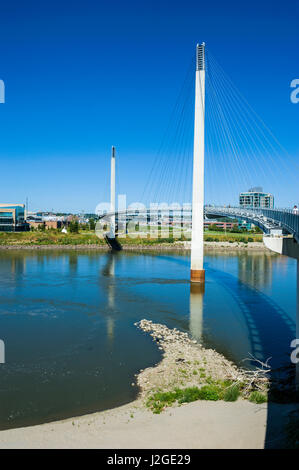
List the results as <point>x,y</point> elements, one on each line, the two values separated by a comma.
<point>67,320</point>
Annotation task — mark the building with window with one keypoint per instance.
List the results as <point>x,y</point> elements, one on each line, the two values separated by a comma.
<point>12,218</point>
<point>219,224</point>
<point>255,197</point>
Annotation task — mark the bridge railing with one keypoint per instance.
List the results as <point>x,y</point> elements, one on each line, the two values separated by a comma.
<point>287,219</point>
<point>264,218</point>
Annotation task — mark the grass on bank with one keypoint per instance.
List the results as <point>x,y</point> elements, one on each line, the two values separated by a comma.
<point>245,237</point>
<point>213,391</point>
<point>49,237</point>
<point>257,397</point>
<point>56,237</point>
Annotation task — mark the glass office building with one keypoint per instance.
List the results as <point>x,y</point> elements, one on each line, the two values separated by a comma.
<point>255,197</point>
<point>12,218</point>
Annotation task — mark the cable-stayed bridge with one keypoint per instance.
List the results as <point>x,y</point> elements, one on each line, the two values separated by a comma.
<point>228,139</point>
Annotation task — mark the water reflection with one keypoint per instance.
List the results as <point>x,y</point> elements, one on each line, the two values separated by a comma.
<point>18,267</point>
<point>109,271</point>
<point>196,311</point>
<point>238,315</point>
<point>61,312</point>
<point>73,262</point>
<point>255,270</point>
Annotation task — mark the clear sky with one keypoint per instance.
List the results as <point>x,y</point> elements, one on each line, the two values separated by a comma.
<point>82,76</point>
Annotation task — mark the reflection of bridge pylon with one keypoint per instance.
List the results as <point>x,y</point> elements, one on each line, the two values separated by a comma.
<point>197,271</point>
<point>109,271</point>
<point>196,310</point>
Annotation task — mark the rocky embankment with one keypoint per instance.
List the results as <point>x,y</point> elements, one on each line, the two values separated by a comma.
<point>208,246</point>
<point>175,246</point>
<point>186,364</point>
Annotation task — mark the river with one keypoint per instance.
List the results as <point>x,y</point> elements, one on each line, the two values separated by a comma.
<point>67,320</point>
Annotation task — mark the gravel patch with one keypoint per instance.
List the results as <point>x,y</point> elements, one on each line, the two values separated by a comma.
<point>186,363</point>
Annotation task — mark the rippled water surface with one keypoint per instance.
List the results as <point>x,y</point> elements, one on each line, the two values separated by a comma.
<point>67,319</point>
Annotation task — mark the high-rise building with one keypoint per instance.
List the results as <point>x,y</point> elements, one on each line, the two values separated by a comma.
<point>12,218</point>
<point>255,197</point>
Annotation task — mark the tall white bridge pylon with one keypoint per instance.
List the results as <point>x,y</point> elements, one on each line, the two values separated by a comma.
<point>197,239</point>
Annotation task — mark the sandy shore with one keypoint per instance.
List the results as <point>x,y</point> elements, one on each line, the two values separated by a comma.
<point>198,425</point>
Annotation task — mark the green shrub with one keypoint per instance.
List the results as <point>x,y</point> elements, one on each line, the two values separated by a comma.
<point>258,397</point>
<point>189,394</point>
<point>209,392</point>
<point>159,400</point>
<point>232,393</point>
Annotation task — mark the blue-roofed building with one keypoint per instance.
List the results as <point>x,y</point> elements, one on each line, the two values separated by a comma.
<point>12,218</point>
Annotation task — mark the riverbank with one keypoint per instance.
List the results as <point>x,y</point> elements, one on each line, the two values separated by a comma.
<point>210,423</point>
<point>198,425</point>
<point>175,246</point>
<point>55,239</point>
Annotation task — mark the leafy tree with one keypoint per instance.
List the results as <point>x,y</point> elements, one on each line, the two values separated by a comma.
<point>236,229</point>
<point>74,227</point>
<point>215,228</point>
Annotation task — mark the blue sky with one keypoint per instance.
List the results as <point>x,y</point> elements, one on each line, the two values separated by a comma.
<point>82,76</point>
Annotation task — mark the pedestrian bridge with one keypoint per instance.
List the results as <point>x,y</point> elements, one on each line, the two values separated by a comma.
<point>280,226</point>
<point>267,219</point>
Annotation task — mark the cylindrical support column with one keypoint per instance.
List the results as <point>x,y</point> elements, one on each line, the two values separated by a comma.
<point>197,240</point>
<point>112,194</point>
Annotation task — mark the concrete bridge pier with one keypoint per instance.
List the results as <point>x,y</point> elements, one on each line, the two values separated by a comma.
<point>284,245</point>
